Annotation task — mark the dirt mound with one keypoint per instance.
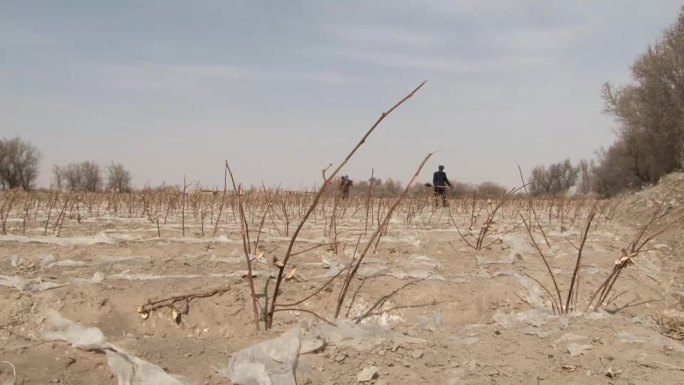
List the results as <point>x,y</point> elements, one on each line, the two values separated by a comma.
<point>637,208</point>
<point>669,192</point>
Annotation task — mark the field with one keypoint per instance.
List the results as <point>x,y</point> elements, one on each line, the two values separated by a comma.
<point>458,295</point>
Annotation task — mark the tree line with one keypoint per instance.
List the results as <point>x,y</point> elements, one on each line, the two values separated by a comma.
<point>20,161</point>
<point>649,112</point>
<point>390,187</point>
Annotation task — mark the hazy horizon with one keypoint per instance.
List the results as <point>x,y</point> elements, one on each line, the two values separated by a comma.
<point>281,90</point>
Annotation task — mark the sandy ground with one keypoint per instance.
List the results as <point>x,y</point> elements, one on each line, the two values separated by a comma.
<point>473,317</point>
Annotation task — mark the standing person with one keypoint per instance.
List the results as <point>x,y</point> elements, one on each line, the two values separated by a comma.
<point>345,186</point>
<point>440,183</point>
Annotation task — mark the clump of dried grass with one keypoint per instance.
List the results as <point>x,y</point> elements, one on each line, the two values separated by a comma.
<point>671,323</point>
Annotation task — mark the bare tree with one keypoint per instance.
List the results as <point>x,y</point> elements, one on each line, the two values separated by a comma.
<point>390,188</point>
<point>539,181</point>
<point>19,162</point>
<point>58,181</point>
<point>555,180</point>
<point>586,176</point>
<point>650,115</point>
<point>563,176</point>
<point>462,189</point>
<point>490,190</point>
<point>615,171</point>
<point>92,179</point>
<point>118,178</point>
<point>67,177</point>
<point>84,176</point>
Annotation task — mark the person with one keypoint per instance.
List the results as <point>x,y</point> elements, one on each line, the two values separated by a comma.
<point>440,183</point>
<point>345,186</point>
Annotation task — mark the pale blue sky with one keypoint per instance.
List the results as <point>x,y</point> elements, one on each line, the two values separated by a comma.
<point>281,89</point>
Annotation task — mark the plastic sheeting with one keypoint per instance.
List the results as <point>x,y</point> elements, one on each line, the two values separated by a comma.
<point>51,261</point>
<point>509,260</point>
<point>60,241</point>
<point>271,362</point>
<point>534,291</point>
<point>362,337</point>
<point>274,361</point>
<point>533,317</point>
<point>414,267</point>
<point>129,369</point>
<point>30,285</point>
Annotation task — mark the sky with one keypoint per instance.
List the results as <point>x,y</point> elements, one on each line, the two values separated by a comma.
<point>279,89</point>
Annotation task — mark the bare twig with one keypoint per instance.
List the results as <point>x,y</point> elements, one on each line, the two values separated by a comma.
<point>153,305</point>
<point>319,194</point>
<point>546,263</point>
<point>245,248</point>
<point>575,274</point>
<point>377,232</point>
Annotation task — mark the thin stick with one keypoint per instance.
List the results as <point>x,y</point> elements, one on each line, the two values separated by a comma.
<point>575,273</point>
<point>377,232</point>
<point>321,191</point>
<point>185,186</point>
<point>534,212</point>
<point>368,198</point>
<point>318,290</point>
<point>245,248</point>
<point>223,200</point>
<point>307,311</point>
<point>546,263</point>
<point>152,305</point>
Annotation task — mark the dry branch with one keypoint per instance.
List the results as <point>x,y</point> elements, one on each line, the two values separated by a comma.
<point>145,309</point>
<point>381,227</point>
<point>314,203</point>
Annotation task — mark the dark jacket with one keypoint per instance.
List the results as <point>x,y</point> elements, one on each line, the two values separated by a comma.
<point>439,179</point>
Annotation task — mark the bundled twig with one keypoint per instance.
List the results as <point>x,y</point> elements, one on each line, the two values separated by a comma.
<point>629,254</point>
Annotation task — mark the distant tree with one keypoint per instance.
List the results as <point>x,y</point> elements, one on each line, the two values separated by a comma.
<point>650,114</point>
<point>539,181</point>
<point>361,187</point>
<point>118,178</point>
<point>19,161</point>
<point>615,171</point>
<point>490,190</point>
<point>67,177</point>
<point>92,179</point>
<point>555,180</point>
<point>57,178</point>
<point>84,176</point>
<point>461,189</point>
<point>586,176</point>
<point>563,176</point>
<point>390,188</point>
<point>419,190</point>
